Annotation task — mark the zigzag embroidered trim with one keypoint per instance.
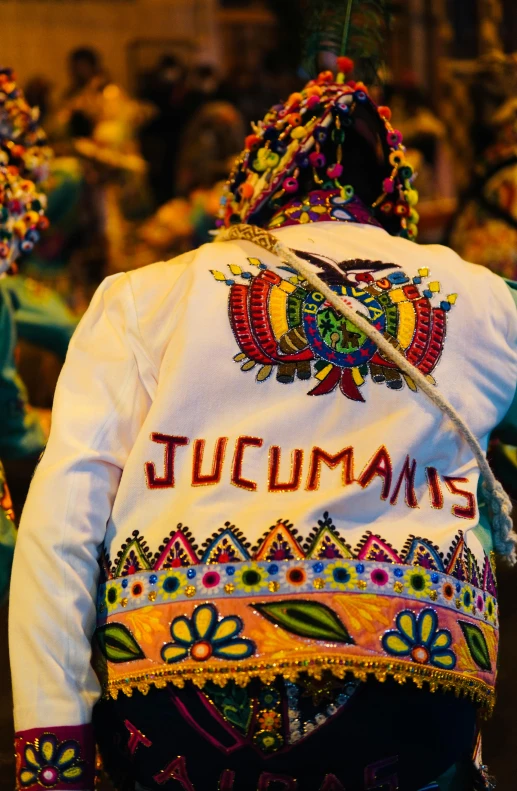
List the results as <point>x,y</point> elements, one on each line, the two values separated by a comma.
<point>379,668</point>
<point>281,542</point>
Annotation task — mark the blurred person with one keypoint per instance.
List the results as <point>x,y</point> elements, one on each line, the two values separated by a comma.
<point>23,153</point>
<point>203,398</point>
<point>84,96</point>
<point>210,139</point>
<point>203,85</point>
<point>84,69</point>
<point>165,87</point>
<point>485,228</point>
<point>160,84</point>
<point>38,91</point>
<point>99,156</point>
<point>242,88</point>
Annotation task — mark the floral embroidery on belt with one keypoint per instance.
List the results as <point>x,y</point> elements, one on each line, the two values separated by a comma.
<point>418,637</point>
<point>204,636</point>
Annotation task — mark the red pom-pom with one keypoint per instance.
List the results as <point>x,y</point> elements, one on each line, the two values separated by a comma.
<point>385,112</point>
<point>345,65</point>
<point>252,142</point>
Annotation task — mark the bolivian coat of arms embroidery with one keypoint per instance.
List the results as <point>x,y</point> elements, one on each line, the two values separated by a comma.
<point>283,324</point>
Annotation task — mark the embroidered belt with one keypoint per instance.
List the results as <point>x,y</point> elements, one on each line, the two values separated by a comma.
<point>241,620</point>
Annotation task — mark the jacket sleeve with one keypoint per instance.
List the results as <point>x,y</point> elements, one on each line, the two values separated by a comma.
<point>100,405</point>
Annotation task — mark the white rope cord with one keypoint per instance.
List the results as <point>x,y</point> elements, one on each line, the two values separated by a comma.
<point>498,502</point>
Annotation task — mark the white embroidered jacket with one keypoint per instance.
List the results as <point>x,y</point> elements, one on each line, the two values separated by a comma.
<point>212,406</point>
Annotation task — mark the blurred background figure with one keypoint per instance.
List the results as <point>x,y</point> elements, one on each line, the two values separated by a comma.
<point>85,71</point>
<point>165,87</point>
<point>210,139</point>
<point>485,227</point>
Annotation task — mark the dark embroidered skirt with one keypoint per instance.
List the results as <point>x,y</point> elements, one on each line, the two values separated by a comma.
<point>326,735</point>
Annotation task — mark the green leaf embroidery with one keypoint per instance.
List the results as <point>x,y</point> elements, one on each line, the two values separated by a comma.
<point>306,619</point>
<point>233,702</point>
<point>118,644</point>
<point>476,644</point>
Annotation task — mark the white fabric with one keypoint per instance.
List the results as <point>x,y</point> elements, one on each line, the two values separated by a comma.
<point>154,353</point>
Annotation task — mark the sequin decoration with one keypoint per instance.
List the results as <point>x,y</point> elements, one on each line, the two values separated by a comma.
<point>288,605</point>
<point>281,324</point>
<point>292,168</point>
<point>179,557</point>
<point>60,758</point>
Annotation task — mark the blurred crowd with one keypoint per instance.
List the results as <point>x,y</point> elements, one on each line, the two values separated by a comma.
<point>137,178</point>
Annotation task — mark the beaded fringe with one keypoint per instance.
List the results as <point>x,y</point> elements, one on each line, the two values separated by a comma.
<point>380,669</point>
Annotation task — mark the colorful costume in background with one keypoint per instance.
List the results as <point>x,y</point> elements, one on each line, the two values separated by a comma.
<point>23,153</point>
<point>24,160</point>
<point>284,519</point>
<point>485,229</point>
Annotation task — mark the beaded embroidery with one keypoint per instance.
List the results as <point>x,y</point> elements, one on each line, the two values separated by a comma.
<point>288,606</point>
<point>280,542</point>
<point>59,759</point>
<point>282,324</point>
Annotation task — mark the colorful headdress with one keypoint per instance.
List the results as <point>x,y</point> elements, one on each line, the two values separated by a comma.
<point>22,216</point>
<point>23,143</point>
<point>300,147</point>
<point>328,152</point>
<point>24,160</point>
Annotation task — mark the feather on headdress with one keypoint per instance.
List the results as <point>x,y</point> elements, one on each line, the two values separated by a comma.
<point>329,140</point>
<point>355,28</point>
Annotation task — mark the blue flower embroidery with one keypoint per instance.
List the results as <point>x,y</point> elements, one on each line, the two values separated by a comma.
<point>203,636</point>
<point>418,637</point>
<point>50,762</point>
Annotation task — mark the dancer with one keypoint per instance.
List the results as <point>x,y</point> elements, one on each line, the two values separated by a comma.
<point>271,449</point>
<point>22,155</point>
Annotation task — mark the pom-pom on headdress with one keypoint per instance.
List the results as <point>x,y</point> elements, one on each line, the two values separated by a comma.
<point>23,143</point>
<point>24,160</point>
<point>22,216</point>
<point>324,139</point>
